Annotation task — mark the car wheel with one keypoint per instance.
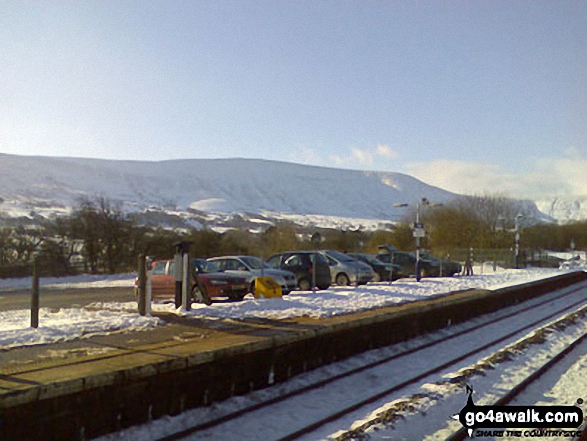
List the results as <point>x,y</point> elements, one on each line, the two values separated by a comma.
<point>342,279</point>
<point>199,295</point>
<point>377,278</point>
<point>423,272</point>
<point>304,285</point>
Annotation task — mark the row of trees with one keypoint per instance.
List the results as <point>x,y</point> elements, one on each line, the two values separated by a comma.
<point>98,237</point>
<point>489,224</point>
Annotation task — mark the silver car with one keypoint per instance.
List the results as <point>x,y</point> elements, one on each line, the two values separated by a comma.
<point>252,267</point>
<point>345,269</point>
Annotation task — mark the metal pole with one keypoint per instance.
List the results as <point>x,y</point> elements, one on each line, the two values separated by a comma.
<point>315,239</point>
<point>142,284</point>
<point>35,296</point>
<point>149,288</point>
<point>390,267</point>
<point>418,276</point>
<point>314,272</point>
<point>517,242</point>
<point>356,273</point>
<point>185,303</point>
<point>178,265</point>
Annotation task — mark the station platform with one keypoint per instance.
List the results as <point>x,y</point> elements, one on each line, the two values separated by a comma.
<point>87,388</point>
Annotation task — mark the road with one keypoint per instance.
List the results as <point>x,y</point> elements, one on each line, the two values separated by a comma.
<point>63,298</point>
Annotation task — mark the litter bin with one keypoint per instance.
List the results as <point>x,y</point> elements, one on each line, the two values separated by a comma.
<point>266,287</point>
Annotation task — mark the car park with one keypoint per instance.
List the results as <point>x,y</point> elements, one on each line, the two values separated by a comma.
<point>383,271</point>
<point>446,267</point>
<point>345,269</point>
<point>407,263</point>
<point>301,263</point>
<point>208,283</point>
<point>251,267</point>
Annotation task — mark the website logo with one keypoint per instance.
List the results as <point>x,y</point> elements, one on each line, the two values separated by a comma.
<point>499,421</point>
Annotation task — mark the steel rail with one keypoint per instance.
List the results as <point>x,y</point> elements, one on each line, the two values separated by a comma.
<point>461,434</point>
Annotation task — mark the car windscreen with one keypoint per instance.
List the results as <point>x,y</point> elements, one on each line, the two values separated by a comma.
<point>319,258</point>
<point>341,257</point>
<point>206,266</point>
<point>369,258</point>
<point>254,263</point>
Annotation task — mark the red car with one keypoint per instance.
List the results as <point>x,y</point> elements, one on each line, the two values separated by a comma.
<point>208,282</point>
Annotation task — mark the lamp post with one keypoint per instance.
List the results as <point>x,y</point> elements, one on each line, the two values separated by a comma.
<point>517,239</point>
<point>315,239</point>
<point>419,231</point>
<point>516,230</point>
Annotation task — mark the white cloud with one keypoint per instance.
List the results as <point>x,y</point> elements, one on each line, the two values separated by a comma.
<point>543,178</point>
<point>547,177</point>
<point>358,158</point>
<point>306,155</point>
<point>386,151</point>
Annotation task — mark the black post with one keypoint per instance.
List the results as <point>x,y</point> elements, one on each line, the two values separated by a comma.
<point>177,270</point>
<point>391,259</point>
<point>35,296</point>
<point>181,248</point>
<point>315,239</point>
<point>142,271</point>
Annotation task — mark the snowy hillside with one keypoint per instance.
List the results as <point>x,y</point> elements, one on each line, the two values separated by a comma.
<point>223,193</point>
<point>47,185</point>
<point>564,209</point>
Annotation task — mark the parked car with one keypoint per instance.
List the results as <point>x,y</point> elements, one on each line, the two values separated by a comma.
<point>383,270</point>
<point>345,269</point>
<point>407,263</point>
<point>207,283</point>
<point>572,263</point>
<point>251,267</point>
<point>301,263</point>
<point>446,267</point>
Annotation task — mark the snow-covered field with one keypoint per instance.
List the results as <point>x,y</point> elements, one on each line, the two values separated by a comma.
<point>105,318</point>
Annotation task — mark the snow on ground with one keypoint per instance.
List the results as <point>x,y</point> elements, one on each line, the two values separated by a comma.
<point>83,281</point>
<point>67,324</point>
<point>344,300</point>
<point>105,318</point>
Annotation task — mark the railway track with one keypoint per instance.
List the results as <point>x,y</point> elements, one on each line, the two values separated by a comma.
<point>331,401</point>
<point>518,391</point>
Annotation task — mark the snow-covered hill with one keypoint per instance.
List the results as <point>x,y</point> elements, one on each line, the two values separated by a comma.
<point>565,209</point>
<point>221,192</point>
<point>48,185</point>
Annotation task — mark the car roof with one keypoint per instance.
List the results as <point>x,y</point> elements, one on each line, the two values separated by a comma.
<point>224,257</point>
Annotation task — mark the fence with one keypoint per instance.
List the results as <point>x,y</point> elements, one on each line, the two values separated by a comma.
<point>504,258</point>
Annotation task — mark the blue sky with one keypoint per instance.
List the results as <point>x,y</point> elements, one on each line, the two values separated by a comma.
<point>473,96</point>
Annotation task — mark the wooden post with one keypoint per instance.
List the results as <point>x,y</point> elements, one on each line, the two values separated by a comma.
<point>35,296</point>
<point>149,286</point>
<point>178,276</point>
<point>185,289</point>
<point>142,272</point>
